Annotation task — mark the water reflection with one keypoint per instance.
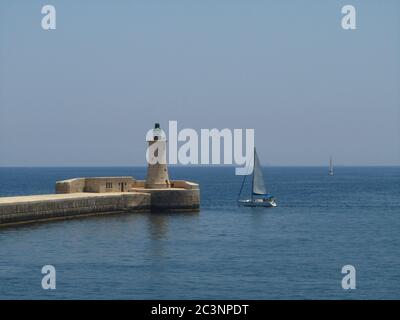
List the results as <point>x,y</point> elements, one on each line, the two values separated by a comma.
<point>158,223</point>
<point>162,226</point>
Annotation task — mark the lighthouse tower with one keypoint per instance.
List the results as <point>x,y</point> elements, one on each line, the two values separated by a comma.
<point>157,171</point>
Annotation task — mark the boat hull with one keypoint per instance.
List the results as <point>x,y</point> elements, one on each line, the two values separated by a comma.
<point>252,203</point>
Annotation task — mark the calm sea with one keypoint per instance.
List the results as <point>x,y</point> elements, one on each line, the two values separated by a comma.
<point>294,251</point>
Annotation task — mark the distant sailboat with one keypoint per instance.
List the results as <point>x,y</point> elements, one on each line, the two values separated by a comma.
<point>259,195</point>
<point>330,167</point>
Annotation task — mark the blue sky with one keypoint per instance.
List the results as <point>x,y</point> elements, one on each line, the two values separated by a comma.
<point>87,92</point>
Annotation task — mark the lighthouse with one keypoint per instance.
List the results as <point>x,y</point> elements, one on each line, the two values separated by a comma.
<point>157,171</point>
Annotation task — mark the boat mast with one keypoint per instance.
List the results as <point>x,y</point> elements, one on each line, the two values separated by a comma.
<point>241,188</point>
<point>252,182</point>
<point>243,183</point>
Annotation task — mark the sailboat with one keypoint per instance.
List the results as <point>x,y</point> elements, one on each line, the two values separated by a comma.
<point>259,195</point>
<point>330,167</point>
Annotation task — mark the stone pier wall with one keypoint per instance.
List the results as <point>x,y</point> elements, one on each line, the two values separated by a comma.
<point>36,208</point>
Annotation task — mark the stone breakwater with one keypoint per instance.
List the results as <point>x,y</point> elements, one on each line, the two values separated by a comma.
<point>99,195</point>
<point>45,207</point>
<point>92,196</point>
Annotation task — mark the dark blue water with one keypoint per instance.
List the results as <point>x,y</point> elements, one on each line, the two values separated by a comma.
<point>294,251</point>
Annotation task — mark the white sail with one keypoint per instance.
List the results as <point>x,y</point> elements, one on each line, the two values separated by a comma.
<point>330,166</point>
<point>258,179</point>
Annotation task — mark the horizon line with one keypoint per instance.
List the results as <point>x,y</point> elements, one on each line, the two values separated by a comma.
<point>194,166</point>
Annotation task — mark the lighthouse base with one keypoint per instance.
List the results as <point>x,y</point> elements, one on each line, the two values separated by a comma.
<point>173,199</point>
